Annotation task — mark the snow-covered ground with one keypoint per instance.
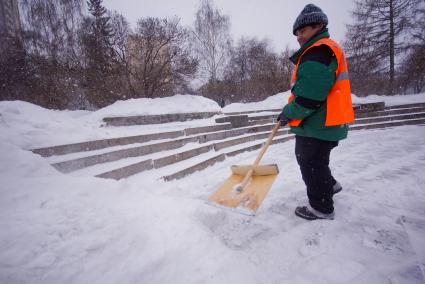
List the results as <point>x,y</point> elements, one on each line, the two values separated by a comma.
<point>57,228</point>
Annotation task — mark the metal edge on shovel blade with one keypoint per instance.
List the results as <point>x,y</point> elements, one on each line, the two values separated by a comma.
<point>240,209</point>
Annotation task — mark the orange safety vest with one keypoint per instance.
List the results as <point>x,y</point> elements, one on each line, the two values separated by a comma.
<point>339,107</point>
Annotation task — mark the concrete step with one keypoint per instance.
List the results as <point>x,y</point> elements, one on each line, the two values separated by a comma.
<point>390,118</point>
<point>252,111</point>
<point>88,146</point>
<point>211,142</point>
<point>389,112</point>
<point>79,163</point>
<point>204,164</point>
<point>406,106</point>
<point>356,107</point>
<point>418,121</point>
<point>112,142</point>
<point>166,160</point>
<point>154,164</point>
<point>361,110</point>
<point>100,168</point>
<point>156,119</point>
<point>221,155</point>
<point>104,143</point>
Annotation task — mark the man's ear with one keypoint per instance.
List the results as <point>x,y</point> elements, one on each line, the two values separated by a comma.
<point>319,26</point>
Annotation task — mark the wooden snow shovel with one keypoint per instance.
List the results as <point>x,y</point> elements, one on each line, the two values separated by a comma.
<point>246,188</point>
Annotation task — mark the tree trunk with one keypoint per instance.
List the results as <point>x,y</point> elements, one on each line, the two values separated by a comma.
<point>392,44</point>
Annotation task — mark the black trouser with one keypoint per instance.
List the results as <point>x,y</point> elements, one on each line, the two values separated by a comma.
<point>313,158</point>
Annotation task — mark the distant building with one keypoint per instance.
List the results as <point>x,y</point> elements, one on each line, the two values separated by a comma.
<point>138,46</point>
<point>10,22</point>
<point>141,54</point>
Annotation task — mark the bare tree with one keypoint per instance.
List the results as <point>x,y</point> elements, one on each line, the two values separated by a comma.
<point>418,23</point>
<point>255,72</point>
<point>120,34</point>
<point>378,34</point>
<point>14,70</point>
<point>66,59</point>
<point>49,51</point>
<point>413,69</point>
<point>286,68</point>
<point>413,65</point>
<point>159,57</point>
<point>50,28</point>
<point>212,40</point>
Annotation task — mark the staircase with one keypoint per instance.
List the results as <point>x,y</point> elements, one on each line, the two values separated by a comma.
<point>193,149</point>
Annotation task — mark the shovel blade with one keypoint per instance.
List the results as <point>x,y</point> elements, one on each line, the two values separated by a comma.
<point>247,201</point>
<point>263,170</point>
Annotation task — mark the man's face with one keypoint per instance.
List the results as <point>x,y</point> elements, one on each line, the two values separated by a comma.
<point>305,33</point>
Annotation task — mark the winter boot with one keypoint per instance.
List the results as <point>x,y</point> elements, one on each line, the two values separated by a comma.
<point>309,213</point>
<point>337,187</point>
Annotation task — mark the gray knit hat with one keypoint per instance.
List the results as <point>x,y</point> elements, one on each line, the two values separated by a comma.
<point>310,15</point>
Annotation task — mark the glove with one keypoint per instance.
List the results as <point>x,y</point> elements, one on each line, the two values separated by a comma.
<point>283,119</point>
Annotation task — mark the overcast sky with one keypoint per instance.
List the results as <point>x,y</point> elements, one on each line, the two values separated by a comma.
<point>272,19</point>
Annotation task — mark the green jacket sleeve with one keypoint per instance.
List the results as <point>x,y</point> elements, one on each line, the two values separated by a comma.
<point>314,81</point>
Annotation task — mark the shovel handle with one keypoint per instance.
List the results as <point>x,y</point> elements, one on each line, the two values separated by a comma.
<point>266,145</point>
<point>249,174</point>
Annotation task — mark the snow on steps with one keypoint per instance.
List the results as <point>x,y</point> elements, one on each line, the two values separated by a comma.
<point>79,163</point>
<point>416,114</point>
<point>405,120</point>
<point>112,142</point>
<point>208,155</point>
<point>189,166</point>
<point>122,161</point>
<point>128,166</point>
<point>390,111</point>
<point>393,123</point>
<point>221,157</point>
<point>105,143</point>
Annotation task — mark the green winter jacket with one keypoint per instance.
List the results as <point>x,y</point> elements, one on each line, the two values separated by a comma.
<point>315,78</point>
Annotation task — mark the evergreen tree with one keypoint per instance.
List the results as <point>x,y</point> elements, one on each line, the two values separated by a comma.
<point>379,34</point>
<point>99,54</point>
<point>101,33</point>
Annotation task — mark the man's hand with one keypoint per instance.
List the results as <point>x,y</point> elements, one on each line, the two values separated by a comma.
<point>283,119</point>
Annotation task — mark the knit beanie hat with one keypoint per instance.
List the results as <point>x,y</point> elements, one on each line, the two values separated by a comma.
<point>310,15</point>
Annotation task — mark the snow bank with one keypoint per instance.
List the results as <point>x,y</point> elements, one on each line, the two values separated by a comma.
<point>273,102</point>
<point>279,100</point>
<point>31,126</point>
<point>174,104</point>
<point>26,125</point>
<point>390,100</point>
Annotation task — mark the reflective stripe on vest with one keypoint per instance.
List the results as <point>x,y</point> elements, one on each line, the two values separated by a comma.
<point>339,107</point>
